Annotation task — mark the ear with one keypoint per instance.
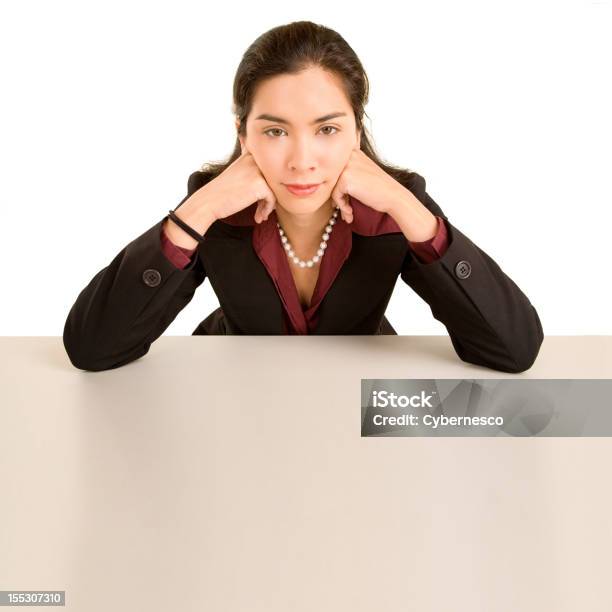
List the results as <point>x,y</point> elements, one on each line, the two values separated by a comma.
<point>240,138</point>
<point>358,143</point>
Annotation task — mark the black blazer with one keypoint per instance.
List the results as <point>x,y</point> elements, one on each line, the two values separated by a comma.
<point>128,304</point>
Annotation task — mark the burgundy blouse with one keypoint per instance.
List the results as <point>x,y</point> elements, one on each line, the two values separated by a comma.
<point>269,248</point>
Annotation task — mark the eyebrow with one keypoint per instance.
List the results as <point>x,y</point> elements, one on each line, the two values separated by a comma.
<point>268,117</point>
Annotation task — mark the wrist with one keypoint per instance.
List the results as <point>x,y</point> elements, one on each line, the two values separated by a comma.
<point>177,236</point>
<point>195,213</point>
<point>416,221</point>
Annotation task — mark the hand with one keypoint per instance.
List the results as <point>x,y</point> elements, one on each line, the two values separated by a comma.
<point>364,180</point>
<point>237,187</point>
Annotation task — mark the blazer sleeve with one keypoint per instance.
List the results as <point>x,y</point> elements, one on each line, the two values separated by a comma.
<point>128,304</point>
<point>490,321</point>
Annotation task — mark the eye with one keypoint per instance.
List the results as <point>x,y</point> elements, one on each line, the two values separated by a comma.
<point>331,127</point>
<point>269,132</point>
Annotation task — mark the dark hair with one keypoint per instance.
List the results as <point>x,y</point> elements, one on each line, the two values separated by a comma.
<point>289,49</point>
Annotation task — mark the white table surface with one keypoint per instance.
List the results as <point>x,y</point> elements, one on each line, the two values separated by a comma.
<point>228,473</point>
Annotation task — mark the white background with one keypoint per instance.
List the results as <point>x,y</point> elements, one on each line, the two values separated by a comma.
<point>503,107</point>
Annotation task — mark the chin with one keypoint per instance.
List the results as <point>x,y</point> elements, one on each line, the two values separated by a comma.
<point>304,205</point>
<point>298,205</point>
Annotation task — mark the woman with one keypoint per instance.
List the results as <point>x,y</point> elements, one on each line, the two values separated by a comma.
<point>303,230</point>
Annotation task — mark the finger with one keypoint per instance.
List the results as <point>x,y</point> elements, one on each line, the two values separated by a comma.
<point>340,203</point>
<point>264,208</point>
<point>269,206</point>
<point>347,211</point>
<point>259,212</point>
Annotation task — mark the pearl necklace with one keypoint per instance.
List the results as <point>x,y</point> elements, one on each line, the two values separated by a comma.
<point>324,238</point>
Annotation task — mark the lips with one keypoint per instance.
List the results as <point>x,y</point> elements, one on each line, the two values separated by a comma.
<point>302,190</point>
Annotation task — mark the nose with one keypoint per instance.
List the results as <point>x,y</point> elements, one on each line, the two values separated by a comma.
<point>302,156</point>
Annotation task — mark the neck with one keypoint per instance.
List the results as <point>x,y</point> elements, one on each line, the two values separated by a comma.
<point>304,230</point>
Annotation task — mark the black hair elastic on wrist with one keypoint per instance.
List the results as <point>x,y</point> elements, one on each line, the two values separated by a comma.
<point>185,227</point>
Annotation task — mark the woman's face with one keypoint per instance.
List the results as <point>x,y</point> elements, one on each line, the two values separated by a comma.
<point>292,139</point>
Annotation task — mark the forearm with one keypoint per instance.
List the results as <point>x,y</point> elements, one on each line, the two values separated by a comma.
<point>490,320</point>
<point>128,304</point>
<point>417,223</point>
